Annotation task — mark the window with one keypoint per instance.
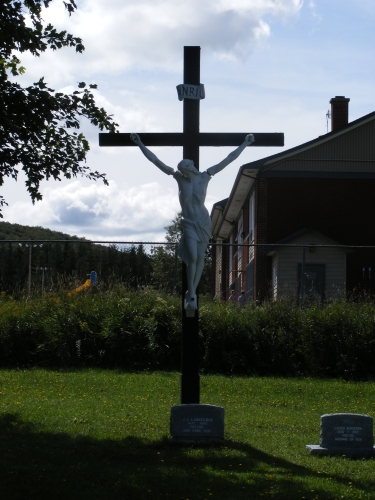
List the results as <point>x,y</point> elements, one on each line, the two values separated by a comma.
<point>239,240</point>
<point>252,218</point>
<point>311,286</point>
<point>231,247</point>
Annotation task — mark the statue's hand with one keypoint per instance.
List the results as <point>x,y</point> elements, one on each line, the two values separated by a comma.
<point>249,139</point>
<point>135,138</point>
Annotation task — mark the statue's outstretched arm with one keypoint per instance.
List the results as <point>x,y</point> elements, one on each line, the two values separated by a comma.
<point>151,156</point>
<point>249,139</point>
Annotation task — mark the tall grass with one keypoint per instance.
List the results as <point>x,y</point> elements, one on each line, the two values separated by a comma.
<point>138,330</point>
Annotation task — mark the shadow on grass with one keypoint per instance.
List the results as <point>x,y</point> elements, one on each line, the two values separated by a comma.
<point>39,465</point>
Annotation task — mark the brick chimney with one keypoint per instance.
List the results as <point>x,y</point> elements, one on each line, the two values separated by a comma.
<point>339,112</point>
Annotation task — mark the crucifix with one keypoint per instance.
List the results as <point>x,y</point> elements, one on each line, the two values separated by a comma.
<point>190,139</point>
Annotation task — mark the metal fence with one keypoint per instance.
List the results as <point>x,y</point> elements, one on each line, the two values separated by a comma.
<point>50,265</point>
<point>304,272</point>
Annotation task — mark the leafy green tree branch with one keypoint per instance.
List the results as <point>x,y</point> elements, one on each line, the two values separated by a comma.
<point>39,128</point>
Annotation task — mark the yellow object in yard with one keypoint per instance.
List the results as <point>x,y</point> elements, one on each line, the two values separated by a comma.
<point>86,284</point>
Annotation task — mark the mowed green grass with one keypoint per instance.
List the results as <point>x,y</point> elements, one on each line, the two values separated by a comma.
<point>96,434</point>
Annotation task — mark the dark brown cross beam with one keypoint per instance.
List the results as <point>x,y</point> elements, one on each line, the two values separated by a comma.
<point>191,139</point>
<point>198,138</point>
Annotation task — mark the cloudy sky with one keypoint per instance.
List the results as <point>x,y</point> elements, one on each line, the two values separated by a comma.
<point>267,66</point>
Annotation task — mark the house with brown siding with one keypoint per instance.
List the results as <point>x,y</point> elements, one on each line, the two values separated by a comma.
<point>316,196</point>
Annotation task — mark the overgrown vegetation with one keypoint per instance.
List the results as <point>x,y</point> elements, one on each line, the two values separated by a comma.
<point>141,329</point>
<point>101,434</point>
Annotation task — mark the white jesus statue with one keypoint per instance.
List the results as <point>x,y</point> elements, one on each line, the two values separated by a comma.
<point>196,222</point>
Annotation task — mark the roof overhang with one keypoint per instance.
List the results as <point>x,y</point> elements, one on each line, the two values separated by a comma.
<point>225,213</point>
<point>216,214</point>
<point>294,240</point>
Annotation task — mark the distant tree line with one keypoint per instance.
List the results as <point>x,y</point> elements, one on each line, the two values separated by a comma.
<point>61,265</point>
<point>66,264</point>
<point>9,231</point>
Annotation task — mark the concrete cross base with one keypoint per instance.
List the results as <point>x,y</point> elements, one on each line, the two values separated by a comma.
<point>190,305</point>
<point>197,424</point>
<point>190,313</point>
<point>315,449</point>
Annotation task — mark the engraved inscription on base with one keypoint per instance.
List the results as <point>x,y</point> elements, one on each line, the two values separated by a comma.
<point>343,430</point>
<point>197,421</point>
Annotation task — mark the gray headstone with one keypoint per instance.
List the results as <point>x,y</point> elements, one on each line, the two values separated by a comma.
<point>349,434</point>
<point>197,423</point>
<point>343,430</point>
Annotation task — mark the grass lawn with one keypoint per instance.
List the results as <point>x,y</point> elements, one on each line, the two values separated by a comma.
<point>96,434</point>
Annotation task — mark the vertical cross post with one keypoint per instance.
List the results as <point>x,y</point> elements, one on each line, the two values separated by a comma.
<point>190,382</point>
<point>190,139</point>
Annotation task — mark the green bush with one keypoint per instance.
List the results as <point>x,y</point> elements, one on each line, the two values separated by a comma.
<point>140,330</point>
<point>132,330</point>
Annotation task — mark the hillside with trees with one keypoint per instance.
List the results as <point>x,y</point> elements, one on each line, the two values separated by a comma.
<point>10,231</point>
<point>64,263</point>
<point>32,254</point>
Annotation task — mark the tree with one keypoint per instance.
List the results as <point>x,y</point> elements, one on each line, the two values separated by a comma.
<point>174,229</point>
<point>166,271</point>
<point>39,128</point>
<point>164,274</point>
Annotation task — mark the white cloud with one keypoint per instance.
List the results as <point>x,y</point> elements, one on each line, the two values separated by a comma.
<point>131,115</point>
<point>101,212</point>
<point>314,12</point>
<point>123,34</point>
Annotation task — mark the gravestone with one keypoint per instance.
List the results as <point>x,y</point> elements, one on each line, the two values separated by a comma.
<point>197,423</point>
<point>348,434</point>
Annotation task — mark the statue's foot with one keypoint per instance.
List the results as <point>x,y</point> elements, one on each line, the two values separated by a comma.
<point>190,301</point>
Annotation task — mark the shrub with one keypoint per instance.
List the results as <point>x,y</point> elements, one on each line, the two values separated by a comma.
<point>141,330</point>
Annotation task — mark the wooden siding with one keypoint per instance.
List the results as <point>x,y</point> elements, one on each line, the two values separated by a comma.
<point>287,259</point>
<point>352,151</point>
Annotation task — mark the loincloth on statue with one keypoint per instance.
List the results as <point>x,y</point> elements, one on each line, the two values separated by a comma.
<point>199,230</point>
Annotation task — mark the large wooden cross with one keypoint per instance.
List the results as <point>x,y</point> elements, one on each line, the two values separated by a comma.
<point>191,139</point>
